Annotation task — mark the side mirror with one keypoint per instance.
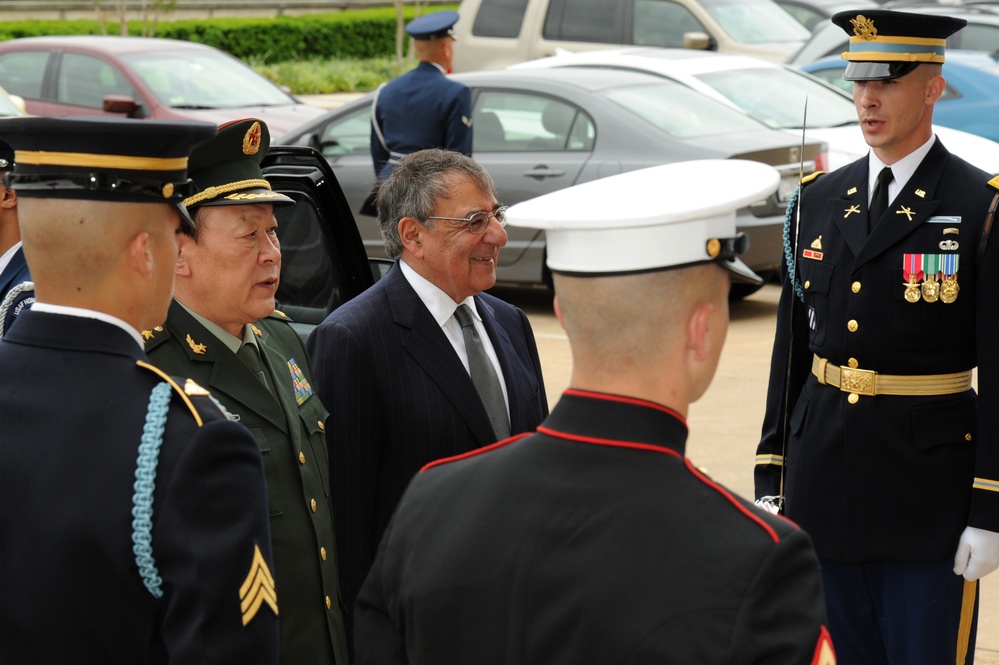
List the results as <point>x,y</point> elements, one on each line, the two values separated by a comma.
<point>699,41</point>
<point>121,104</point>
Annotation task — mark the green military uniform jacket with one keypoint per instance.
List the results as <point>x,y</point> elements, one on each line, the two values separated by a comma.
<point>289,428</point>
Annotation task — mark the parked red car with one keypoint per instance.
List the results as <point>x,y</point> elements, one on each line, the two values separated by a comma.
<point>142,77</point>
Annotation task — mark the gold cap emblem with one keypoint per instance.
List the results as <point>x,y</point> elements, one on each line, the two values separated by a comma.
<point>251,140</point>
<point>863,27</point>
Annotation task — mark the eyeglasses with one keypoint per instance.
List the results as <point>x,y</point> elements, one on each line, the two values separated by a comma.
<point>479,221</point>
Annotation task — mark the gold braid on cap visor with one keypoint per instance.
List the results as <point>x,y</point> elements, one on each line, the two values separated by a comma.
<point>213,192</point>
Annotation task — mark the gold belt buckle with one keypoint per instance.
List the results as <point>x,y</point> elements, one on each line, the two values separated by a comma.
<point>859,381</point>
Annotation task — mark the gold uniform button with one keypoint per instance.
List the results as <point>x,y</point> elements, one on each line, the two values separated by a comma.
<point>314,504</point>
<point>852,363</point>
<point>852,325</point>
<point>321,425</point>
<point>322,553</point>
<point>853,398</point>
<point>967,437</point>
<point>301,457</point>
<point>329,603</point>
<point>855,287</point>
<point>808,284</point>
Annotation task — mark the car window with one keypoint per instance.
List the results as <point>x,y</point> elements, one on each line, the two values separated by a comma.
<point>662,23</point>
<point>346,135</point>
<point>22,73</point>
<point>977,37</point>
<point>755,21</point>
<point>204,80</point>
<point>499,18</point>
<point>85,81</point>
<point>680,111</point>
<point>507,121</point>
<point>806,16</point>
<point>833,75</point>
<point>311,286</point>
<point>595,21</point>
<point>776,97</point>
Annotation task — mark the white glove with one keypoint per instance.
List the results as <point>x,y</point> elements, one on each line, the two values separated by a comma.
<point>771,504</point>
<point>977,553</point>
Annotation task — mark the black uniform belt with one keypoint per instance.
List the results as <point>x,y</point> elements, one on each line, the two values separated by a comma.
<point>868,382</point>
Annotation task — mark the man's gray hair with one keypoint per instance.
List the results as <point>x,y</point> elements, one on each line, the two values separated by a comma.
<point>418,182</point>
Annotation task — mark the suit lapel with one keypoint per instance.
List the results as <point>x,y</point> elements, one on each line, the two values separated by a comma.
<point>426,343</point>
<point>850,208</point>
<point>228,378</point>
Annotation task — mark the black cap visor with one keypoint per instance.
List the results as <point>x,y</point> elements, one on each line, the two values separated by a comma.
<point>877,71</point>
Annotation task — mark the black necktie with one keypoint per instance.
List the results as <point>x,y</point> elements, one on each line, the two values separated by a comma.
<point>251,358</point>
<point>483,374</point>
<point>879,201</point>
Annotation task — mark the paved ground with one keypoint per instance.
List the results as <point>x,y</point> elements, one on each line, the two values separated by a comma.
<point>725,423</point>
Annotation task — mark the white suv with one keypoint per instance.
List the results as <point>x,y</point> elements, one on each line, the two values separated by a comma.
<point>496,33</point>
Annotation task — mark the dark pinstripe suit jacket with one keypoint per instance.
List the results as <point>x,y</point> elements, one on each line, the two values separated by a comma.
<point>400,397</point>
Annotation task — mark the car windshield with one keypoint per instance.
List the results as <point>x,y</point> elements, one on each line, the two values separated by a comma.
<point>776,97</point>
<point>204,80</point>
<point>756,21</point>
<point>680,111</point>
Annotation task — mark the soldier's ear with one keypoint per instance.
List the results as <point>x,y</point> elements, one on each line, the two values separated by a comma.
<point>9,197</point>
<point>184,245</point>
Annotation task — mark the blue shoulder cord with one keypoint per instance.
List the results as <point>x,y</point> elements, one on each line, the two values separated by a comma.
<point>788,250</point>
<point>145,483</point>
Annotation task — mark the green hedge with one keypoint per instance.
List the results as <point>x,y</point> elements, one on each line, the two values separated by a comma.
<point>362,33</point>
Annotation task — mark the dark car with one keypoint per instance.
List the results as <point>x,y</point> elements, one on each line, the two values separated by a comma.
<point>536,132</point>
<point>323,264</point>
<point>142,77</point>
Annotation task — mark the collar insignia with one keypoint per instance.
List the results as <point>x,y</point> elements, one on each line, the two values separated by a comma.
<point>197,348</point>
<point>851,191</point>
<point>905,211</point>
<point>256,330</point>
<point>852,209</point>
<point>921,194</point>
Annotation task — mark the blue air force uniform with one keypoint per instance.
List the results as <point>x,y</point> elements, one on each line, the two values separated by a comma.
<point>423,108</point>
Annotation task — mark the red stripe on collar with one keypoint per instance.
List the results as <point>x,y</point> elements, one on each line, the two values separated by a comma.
<point>474,453</point>
<point>625,400</point>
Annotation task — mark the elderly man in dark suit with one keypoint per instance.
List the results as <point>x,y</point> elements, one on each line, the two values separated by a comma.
<point>133,513</point>
<point>406,382</point>
<point>874,440</point>
<point>223,331</point>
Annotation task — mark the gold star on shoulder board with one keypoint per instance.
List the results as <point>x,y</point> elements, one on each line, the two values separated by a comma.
<point>257,588</point>
<point>197,348</point>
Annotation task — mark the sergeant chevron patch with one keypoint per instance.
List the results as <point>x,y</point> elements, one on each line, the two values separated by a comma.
<point>257,588</point>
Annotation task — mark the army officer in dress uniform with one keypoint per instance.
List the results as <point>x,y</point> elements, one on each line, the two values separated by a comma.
<point>223,331</point>
<point>873,433</point>
<point>132,512</point>
<point>595,540</point>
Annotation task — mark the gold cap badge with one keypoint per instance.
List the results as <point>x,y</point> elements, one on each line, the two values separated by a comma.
<point>251,140</point>
<point>863,27</point>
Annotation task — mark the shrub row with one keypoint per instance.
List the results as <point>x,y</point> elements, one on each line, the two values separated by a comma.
<point>362,33</point>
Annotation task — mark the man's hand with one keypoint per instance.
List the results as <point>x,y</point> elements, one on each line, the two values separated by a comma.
<point>977,553</point>
<point>771,504</point>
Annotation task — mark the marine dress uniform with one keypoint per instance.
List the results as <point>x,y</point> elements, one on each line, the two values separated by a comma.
<point>423,108</point>
<point>132,512</point>
<point>277,403</point>
<point>595,540</point>
<point>886,456</point>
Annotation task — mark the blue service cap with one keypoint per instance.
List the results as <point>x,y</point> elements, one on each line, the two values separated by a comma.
<point>887,44</point>
<point>663,217</point>
<point>433,26</point>
<point>103,158</point>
